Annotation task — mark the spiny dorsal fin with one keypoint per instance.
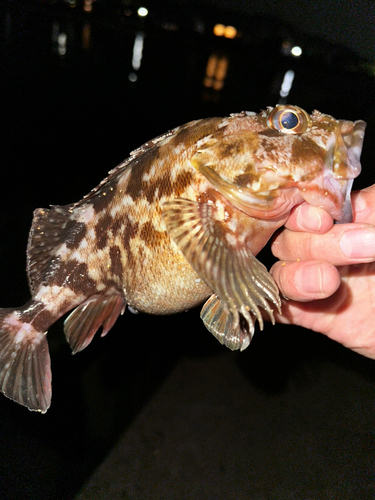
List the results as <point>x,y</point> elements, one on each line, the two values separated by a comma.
<point>118,171</point>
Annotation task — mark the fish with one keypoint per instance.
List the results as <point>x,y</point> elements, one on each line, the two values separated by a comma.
<point>177,224</point>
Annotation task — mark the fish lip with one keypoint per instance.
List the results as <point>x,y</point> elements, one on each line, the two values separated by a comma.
<point>352,135</point>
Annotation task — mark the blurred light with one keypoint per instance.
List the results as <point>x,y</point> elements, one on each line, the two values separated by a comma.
<point>137,51</point>
<point>219,29</point>
<point>286,47</point>
<point>226,31</point>
<point>142,11</point>
<point>216,72</point>
<point>230,32</point>
<point>132,77</point>
<point>86,36</point>
<point>296,51</point>
<point>287,83</point>
<point>87,5</point>
<point>61,44</point>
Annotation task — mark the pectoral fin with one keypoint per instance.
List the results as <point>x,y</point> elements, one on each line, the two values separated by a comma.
<point>226,264</point>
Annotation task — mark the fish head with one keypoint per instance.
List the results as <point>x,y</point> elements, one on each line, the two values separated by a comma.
<point>266,163</point>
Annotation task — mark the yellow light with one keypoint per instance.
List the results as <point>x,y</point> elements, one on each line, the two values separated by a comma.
<point>216,72</point>
<point>211,66</point>
<point>219,29</point>
<point>87,6</point>
<point>221,69</point>
<point>230,32</point>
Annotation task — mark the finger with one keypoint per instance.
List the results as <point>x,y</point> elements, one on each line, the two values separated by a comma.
<point>305,281</point>
<point>364,205</point>
<point>305,217</point>
<point>343,244</point>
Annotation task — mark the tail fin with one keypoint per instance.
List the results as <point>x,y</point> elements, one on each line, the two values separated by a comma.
<point>25,372</point>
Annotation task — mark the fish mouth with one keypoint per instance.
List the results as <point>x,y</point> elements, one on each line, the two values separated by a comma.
<point>345,162</point>
<point>347,148</point>
<point>331,190</point>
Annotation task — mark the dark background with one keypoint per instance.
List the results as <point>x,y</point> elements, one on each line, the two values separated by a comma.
<point>71,112</point>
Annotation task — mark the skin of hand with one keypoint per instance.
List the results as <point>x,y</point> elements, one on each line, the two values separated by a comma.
<point>327,271</point>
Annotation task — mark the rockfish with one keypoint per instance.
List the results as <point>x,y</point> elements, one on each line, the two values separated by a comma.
<point>178,222</point>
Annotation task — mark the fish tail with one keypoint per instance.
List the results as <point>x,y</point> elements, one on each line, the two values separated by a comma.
<point>25,372</point>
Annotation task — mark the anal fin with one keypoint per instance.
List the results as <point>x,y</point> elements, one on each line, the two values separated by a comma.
<point>96,311</point>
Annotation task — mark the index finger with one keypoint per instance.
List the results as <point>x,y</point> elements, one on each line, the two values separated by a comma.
<point>306,218</point>
<point>364,205</point>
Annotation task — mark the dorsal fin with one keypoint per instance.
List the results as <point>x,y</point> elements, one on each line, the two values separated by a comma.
<point>50,228</point>
<point>118,171</point>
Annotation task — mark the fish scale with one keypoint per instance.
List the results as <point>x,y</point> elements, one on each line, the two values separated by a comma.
<point>177,223</point>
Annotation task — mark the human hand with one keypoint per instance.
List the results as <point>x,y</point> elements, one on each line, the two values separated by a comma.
<point>328,272</point>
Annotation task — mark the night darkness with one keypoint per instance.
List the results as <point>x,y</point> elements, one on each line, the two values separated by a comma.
<point>290,418</point>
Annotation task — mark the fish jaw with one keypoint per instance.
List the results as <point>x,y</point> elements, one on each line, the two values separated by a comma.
<point>331,190</point>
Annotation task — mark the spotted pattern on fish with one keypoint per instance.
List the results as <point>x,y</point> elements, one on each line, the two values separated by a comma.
<point>178,222</point>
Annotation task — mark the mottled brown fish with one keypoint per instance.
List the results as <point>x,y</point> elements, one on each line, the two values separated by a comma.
<point>176,223</point>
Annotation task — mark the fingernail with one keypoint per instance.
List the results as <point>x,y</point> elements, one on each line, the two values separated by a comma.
<point>359,203</point>
<point>309,279</point>
<point>308,218</point>
<point>358,244</point>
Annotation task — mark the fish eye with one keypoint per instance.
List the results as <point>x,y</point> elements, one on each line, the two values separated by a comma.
<point>288,120</point>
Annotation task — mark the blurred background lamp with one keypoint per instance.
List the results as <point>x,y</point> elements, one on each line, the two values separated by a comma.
<point>230,32</point>
<point>219,29</point>
<point>296,51</point>
<point>142,11</point>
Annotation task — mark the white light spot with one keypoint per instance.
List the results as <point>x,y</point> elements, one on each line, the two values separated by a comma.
<point>137,51</point>
<point>142,12</point>
<point>296,51</point>
<point>61,44</point>
<point>287,83</point>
